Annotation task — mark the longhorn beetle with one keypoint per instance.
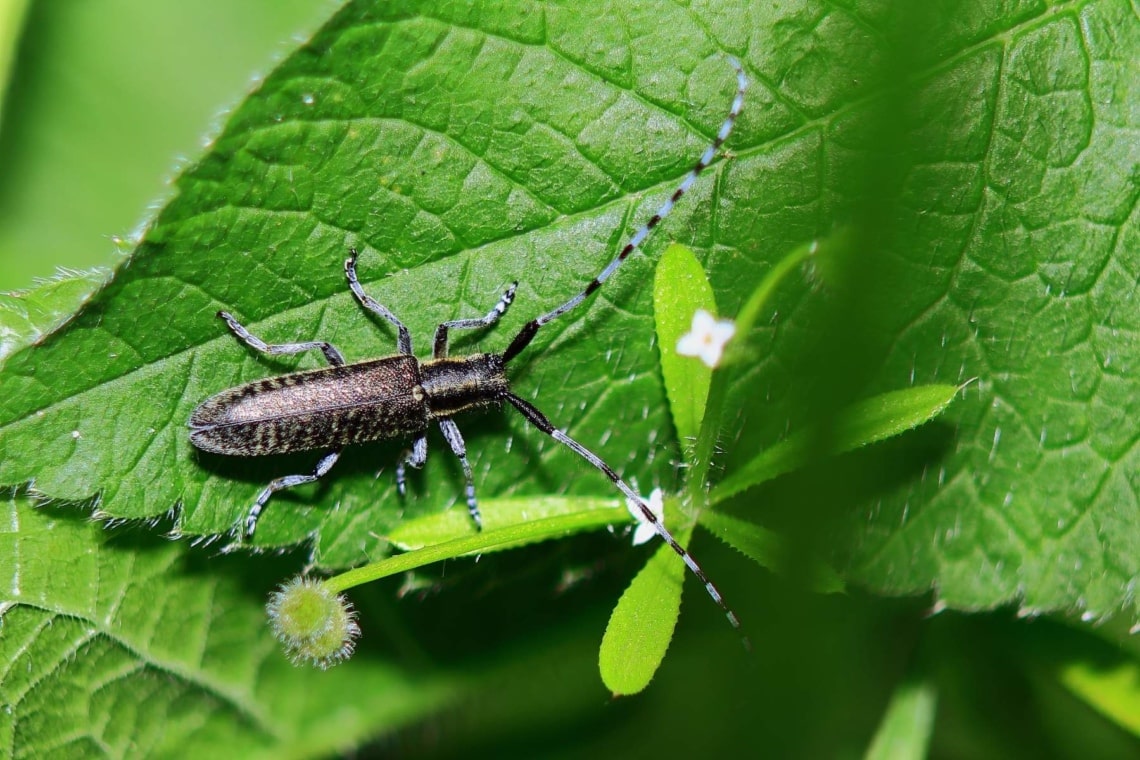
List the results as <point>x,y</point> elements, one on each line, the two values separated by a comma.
<point>398,396</point>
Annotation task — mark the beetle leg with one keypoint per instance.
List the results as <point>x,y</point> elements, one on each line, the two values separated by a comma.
<point>451,432</point>
<point>492,317</point>
<point>329,350</point>
<point>323,466</point>
<point>404,338</point>
<point>414,458</point>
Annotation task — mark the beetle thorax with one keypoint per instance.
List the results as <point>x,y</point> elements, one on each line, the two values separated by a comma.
<point>456,384</point>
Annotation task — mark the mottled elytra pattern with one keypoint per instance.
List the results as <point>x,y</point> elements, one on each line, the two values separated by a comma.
<point>336,406</point>
<point>399,396</point>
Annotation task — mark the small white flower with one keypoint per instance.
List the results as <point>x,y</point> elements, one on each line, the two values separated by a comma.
<point>645,529</point>
<point>707,338</point>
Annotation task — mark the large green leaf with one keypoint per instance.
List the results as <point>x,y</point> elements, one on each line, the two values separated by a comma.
<point>985,155</point>
<point>1016,245</point>
<point>112,646</point>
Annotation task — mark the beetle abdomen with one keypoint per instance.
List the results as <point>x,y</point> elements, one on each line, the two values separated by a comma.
<point>321,409</point>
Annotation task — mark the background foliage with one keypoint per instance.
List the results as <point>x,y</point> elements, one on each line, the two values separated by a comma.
<point>984,155</point>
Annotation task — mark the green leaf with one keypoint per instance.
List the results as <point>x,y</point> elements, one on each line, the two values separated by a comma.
<point>115,646</point>
<point>1113,691</point>
<point>29,316</point>
<point>1000,243</point>
<point>679,289</point>
<point>552,521</point>
<point>642,624</point>
<point>770,550</point>
<point>861,424</point>
<point>429,530</point>
<point>904,733</point>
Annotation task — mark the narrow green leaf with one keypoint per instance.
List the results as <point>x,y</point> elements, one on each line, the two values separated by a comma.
<point>509,537</point>
<point>680,287</point>
<point>1111,689</point>
<point>770,550</point>
<point>904,733</point>
<point>450,524</point>
<point>642,624</point>
<point>869,421</point>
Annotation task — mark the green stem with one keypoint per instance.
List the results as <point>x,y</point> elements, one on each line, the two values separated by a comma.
<point>697,484</point>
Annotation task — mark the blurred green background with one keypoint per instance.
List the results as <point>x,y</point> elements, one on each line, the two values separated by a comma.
<point>103,99</point>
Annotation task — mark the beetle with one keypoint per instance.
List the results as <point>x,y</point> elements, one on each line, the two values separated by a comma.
<point>400,396</point>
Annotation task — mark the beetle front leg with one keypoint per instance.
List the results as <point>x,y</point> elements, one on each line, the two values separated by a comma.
<point>329,350</point>
<point>451,433</point>
<point>500,308</point>
<point>404,338</point>
<point>323,466</point>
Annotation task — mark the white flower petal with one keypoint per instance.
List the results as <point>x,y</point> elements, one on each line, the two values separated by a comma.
<point>723,330</point>
<point>689,345</point>
<point>645,529</point>
<point>711,354</point>
<point>642,533</point>
<point>703,321</point>
<point>707,338</point>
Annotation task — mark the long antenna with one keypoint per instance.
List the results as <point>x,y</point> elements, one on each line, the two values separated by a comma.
<point>526,334</point>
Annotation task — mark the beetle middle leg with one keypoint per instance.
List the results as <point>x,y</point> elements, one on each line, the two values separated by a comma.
<point>328,349</point>
<point>454,439</point>
<point>440,351</point>
<point>414,458</point>
<point>323,466</point>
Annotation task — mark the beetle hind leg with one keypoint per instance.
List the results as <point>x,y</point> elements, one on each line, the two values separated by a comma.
<point>323,466</point>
